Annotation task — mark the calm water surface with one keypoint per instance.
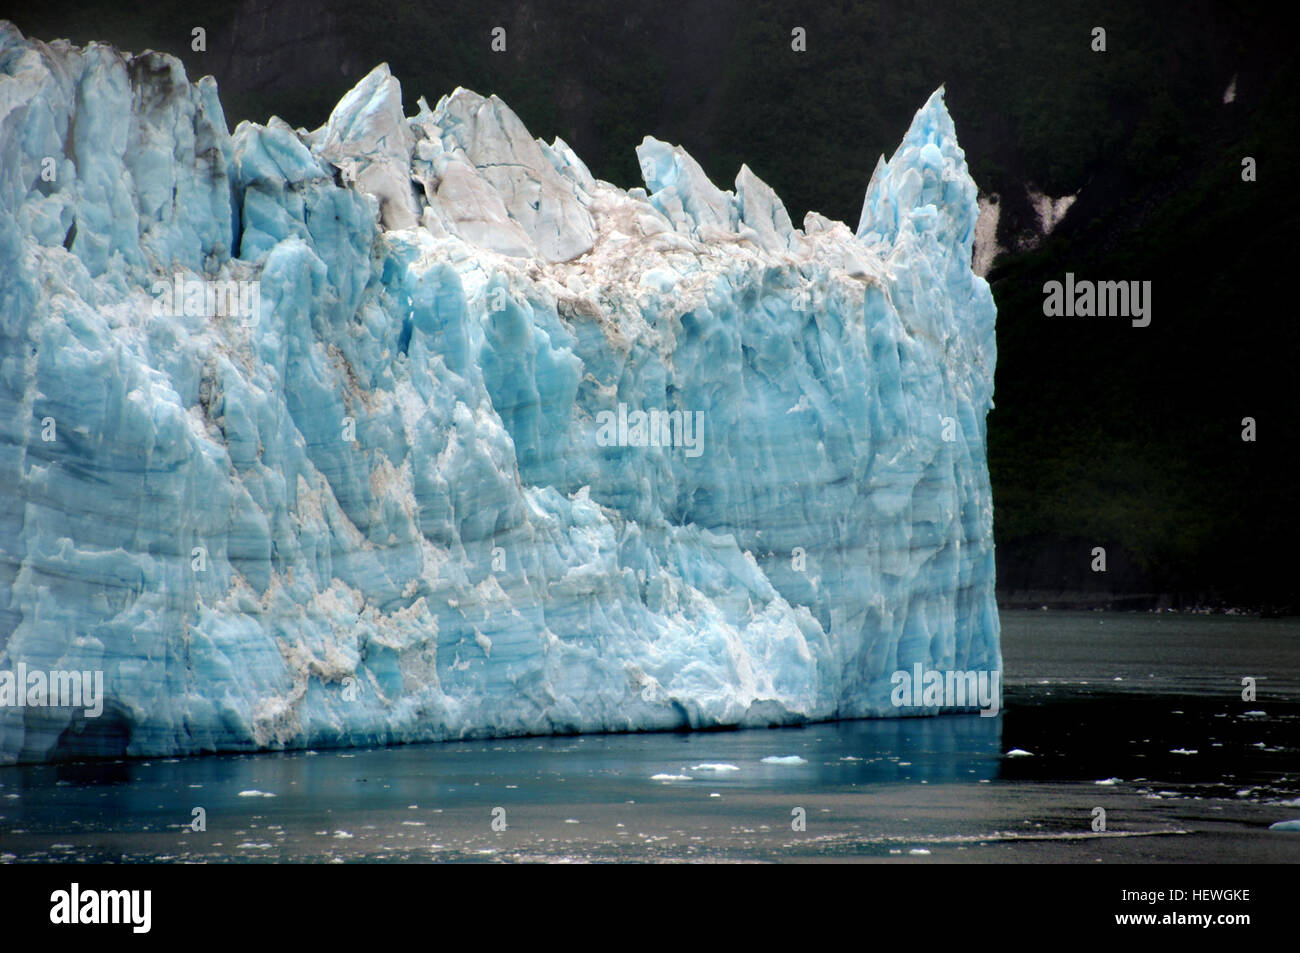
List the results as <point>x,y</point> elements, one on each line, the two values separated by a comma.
<point>1139,715</point>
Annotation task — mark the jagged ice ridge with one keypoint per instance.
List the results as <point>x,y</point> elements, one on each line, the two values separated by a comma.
<point>379,511</point>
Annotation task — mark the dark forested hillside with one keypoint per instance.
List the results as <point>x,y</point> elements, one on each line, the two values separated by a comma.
<point>1104,434</point>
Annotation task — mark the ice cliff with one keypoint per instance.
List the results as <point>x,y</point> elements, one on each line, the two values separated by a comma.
<point>409,428</point>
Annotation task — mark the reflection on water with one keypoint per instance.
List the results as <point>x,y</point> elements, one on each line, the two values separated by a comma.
<point>150,795</point>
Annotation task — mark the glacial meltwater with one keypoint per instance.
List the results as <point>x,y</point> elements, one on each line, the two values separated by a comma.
<point>1146,751</point>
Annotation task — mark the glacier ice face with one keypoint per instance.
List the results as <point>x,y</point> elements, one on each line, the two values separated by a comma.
<point>413,493</point>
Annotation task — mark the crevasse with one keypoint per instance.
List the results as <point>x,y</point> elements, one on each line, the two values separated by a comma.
<point>382,509</point>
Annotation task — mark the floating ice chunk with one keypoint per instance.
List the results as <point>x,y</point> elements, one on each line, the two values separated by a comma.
<point>784,759</point>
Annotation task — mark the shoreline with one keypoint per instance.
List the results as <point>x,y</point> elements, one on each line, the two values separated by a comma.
<point>1145,603</point>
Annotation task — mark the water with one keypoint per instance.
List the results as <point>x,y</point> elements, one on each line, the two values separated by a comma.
<point>1138,715</point>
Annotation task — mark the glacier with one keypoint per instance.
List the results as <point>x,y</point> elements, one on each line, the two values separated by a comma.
<point>377,433</point>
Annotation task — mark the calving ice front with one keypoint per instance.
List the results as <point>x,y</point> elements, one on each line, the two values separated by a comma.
<point>75,906</point>
<point>353,464</point>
